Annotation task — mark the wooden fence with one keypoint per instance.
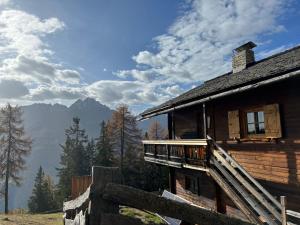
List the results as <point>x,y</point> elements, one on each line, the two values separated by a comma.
<point>99,204</point>
<point>80,185</point>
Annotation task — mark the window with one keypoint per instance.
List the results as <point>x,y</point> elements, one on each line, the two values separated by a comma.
<point>255,122</point>
<point>191,184</point>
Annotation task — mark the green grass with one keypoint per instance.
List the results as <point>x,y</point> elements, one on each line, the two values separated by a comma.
<point>24,218</point>
<point>144,216</point>
<point>31,219</point>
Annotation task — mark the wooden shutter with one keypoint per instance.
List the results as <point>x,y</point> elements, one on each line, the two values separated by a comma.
<point>272,121</point>
<point>234,124</point>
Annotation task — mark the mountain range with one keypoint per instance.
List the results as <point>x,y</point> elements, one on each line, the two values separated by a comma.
<point>46,124</point>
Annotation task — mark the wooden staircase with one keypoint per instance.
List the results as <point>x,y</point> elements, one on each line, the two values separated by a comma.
<point>256,202</point>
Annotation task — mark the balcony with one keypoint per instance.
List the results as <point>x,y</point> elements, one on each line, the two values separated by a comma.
<point>183,153</point>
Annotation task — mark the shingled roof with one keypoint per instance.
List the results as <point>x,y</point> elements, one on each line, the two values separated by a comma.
<point>264,69</point>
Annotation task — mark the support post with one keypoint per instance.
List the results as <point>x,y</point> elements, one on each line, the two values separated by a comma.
<point>101,176</point>
<point>173,126</point>
<point>283,209</point>
<point>172,180</point>
<point>204,122</point>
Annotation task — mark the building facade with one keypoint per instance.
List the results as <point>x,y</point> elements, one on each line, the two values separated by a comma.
<point>235,140</point>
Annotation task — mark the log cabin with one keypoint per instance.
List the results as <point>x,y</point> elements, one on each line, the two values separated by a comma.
<point>234,141</point>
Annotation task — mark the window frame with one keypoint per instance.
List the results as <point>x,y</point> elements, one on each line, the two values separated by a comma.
<point>191,188</point>
<point>244,122</point>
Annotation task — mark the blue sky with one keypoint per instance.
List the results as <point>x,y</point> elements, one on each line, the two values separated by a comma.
<point>138,52</point>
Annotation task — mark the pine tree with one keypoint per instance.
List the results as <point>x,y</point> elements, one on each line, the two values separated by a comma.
<point>90,154</point>
<point>104,151</point>
<point>42,198</point>
<point>49,192</point>
<point>14,146</point>
<point>36,201</point>
<point>133,167</point>
<point>73,159</point>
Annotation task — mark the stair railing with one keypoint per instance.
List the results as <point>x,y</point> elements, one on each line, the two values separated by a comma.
<point>244,172</point>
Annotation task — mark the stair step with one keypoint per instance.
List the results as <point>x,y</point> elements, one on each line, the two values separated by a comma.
<point>248,198</point>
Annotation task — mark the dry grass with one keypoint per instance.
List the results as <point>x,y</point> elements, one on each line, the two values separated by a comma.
<point>31,219</point>
<point>23,218</point>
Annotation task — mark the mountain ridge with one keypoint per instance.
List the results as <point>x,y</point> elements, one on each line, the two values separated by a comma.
<point>46,124</point>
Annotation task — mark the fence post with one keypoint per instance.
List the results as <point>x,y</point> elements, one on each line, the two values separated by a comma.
<point>283,209</point>
<point>101,176</point>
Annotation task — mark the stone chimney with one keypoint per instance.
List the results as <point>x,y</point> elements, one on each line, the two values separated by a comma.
<point>242,57</point>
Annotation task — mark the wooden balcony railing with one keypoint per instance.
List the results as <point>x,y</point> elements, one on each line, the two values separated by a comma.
<point>177,153</point>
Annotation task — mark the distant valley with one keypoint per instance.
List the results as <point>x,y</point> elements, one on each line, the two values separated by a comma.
<point>46,124</point>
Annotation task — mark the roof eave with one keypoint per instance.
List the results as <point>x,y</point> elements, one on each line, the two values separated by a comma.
<point>221,94</point>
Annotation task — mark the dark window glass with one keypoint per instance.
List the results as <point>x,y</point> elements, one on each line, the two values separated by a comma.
<point>191,184</point>
<point>255,123</point>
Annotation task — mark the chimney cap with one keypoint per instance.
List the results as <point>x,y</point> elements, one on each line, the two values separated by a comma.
<point>246,46</point>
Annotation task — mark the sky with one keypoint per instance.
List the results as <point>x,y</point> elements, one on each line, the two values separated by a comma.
<point>137,52</point>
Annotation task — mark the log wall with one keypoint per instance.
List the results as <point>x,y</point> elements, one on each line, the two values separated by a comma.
<point>206,196</point>
<point>275,164</point>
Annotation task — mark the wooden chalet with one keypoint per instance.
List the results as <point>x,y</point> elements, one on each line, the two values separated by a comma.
<point>234,141</point>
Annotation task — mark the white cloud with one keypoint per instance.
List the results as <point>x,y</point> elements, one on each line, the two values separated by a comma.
<point>26,69</point>
<point>21,32</point>
<point>113,92</point>
<point>198,46</point>
<point>12,89</point>
<point>4,2</point>
<point>46,93</point>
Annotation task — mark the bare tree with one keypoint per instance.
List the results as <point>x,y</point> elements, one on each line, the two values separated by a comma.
<point>156,131</point>
<point>14,146</point>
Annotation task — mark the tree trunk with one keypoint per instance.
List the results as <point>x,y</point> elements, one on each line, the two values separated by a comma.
<point>7,163</point>
<point>6,182</point>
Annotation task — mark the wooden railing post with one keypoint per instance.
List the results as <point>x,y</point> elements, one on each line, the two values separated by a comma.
<point>168,151</point>
<point>184,154</point>
<point>101,176</point>
<point>208,152</point>
<point>283,209</point>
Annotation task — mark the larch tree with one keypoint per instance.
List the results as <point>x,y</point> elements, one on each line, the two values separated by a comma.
<point>73,160</point>
<point>125,133</point>
<point>104,150</point>
<point>156,176</point>
<point>14,147</point>
<point>156,131</point>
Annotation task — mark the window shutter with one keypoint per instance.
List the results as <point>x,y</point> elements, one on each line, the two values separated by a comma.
<point>272,121</point>
<point>234,124</point>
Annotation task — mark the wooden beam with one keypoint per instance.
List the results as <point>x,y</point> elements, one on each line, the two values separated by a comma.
<point>101,176</point>
<point>144,200</point>
<point>283,210</point>
<point>194,142</point>
<point>204,120</point>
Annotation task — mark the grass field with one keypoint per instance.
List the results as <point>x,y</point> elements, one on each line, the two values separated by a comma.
<point>56,218</point>
<point>31,219</point>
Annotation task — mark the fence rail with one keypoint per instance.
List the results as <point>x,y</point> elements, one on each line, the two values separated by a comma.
<point>100,203</point>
